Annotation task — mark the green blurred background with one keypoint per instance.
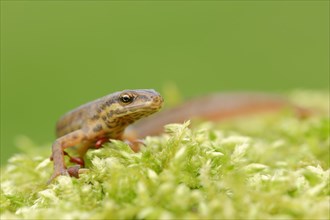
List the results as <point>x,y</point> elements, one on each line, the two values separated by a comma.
<point>56,55</point>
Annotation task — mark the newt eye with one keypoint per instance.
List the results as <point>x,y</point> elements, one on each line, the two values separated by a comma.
<point>126,98</point>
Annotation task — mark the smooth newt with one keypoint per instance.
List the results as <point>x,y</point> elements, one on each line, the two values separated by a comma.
<point>107,118</point>
<point>103,119</point>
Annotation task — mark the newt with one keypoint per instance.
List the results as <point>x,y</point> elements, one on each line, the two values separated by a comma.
<point>107,118</point>
<point>98,121</point>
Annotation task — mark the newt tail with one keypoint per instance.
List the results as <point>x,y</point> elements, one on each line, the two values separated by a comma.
<point>214,107</point>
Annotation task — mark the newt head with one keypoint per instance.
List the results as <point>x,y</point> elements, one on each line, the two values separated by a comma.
<point>134,104</point>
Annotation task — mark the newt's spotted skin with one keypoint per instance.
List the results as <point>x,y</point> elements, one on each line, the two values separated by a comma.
<point>100,120</point>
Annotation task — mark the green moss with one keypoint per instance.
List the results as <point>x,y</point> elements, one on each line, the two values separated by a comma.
<point>269,166</point>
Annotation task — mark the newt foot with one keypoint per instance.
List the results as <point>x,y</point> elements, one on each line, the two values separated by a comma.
<point>73,171</point>
<point>100,142</point>
<point>63,172</point>
<point>135,145</point>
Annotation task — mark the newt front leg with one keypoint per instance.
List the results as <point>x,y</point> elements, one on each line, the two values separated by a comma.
<point>58,147</point>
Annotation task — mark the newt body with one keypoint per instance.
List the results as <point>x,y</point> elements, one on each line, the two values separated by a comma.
<point>103,119</point>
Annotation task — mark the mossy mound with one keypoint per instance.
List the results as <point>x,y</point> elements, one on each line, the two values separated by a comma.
<point>265,167</point>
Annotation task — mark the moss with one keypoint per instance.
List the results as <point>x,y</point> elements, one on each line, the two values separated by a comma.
<point>269,166</point>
